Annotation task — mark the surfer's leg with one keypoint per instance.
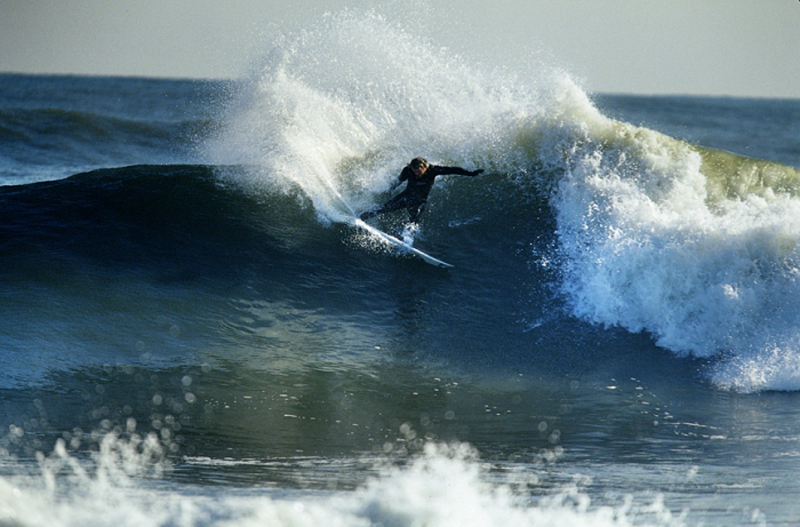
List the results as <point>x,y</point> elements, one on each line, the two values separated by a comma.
<point>414,212</point>
<point>370,214</point>
<point>396,203</point>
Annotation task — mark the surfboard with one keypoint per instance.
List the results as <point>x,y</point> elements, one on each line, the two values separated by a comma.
<point>400,244</point>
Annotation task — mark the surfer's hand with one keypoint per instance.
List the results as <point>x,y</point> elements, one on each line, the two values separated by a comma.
<point>476,172</point>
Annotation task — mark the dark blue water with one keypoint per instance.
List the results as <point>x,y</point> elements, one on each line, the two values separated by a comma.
<point>192,333</point>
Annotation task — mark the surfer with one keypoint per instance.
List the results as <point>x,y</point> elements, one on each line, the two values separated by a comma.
<point>419,175</point>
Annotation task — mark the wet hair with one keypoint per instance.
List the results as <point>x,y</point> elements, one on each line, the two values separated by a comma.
<point>418,162</point>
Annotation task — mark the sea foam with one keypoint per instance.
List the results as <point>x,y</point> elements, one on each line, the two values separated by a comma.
<point>443,486</point>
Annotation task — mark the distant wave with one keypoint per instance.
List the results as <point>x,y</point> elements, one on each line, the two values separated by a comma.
<point>47,139</point>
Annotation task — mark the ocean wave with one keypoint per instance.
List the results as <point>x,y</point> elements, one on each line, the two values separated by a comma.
<point>618,224</point>
<point>696,246</point>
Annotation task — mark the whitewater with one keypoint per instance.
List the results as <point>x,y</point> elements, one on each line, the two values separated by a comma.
<point>193,333</point>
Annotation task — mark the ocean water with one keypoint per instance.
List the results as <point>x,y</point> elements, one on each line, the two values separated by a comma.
<point>193,335</point>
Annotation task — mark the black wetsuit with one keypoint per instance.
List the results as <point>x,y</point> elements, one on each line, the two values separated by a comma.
<point>415,195</point>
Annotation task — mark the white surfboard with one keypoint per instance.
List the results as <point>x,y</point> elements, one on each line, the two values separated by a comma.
<point>400,244</point>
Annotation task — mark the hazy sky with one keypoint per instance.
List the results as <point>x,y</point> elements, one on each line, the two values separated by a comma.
<point>715,47</point>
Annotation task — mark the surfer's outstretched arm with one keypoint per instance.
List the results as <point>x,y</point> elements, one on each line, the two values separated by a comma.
<point>457,171</point>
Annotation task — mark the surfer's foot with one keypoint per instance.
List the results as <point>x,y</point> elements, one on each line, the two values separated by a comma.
<point>409,231</point>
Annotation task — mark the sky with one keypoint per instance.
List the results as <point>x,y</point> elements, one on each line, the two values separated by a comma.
<point>745,48</point>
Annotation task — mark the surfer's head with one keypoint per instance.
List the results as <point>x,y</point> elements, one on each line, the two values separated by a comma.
<point>418,166</point>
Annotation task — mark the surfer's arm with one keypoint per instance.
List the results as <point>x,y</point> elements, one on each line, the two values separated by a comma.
<point>404,175</point>
<point>457,171</point>
<point>396,183</point>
